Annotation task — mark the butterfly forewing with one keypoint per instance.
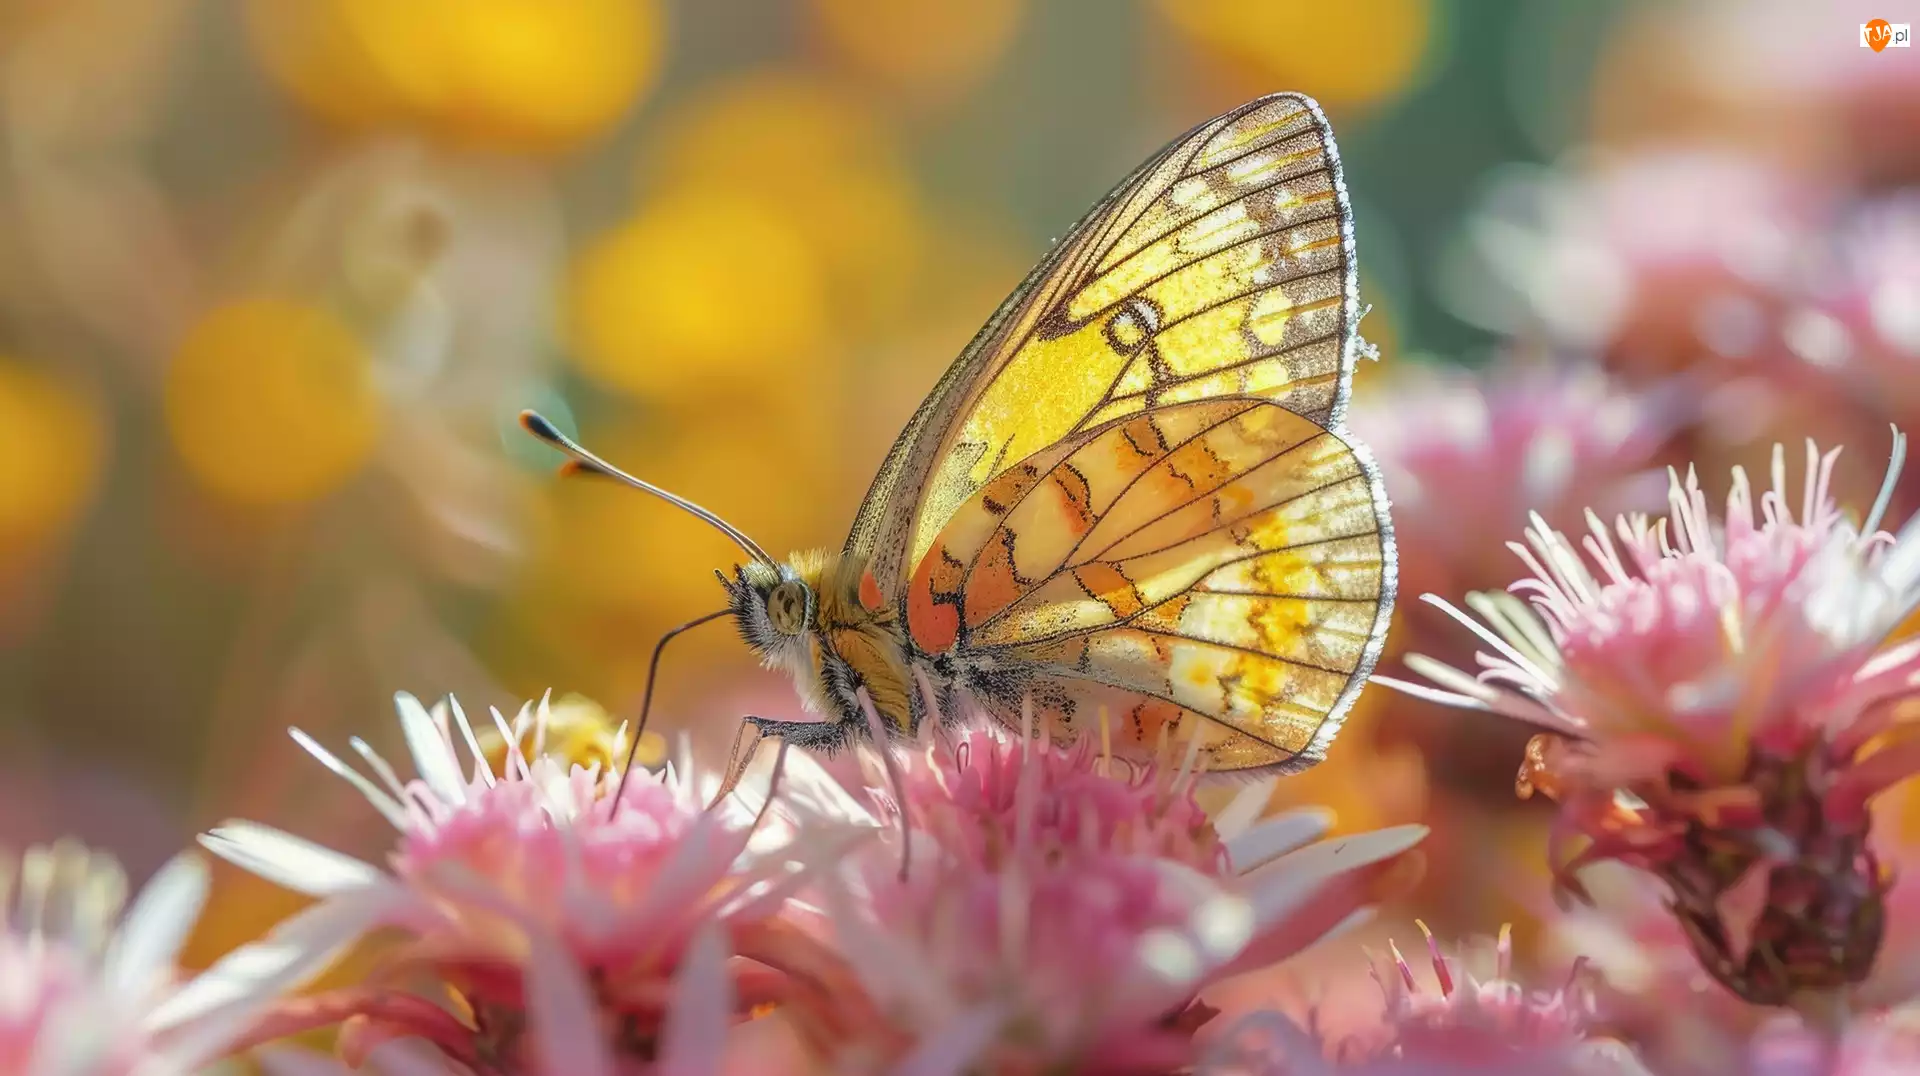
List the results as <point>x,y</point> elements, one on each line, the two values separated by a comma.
<point>1223,266</point>
<point>1132,493</point>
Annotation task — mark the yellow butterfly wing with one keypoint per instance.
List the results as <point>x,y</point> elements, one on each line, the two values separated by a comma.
<point>1132,496</point>
<point>1223,265</point>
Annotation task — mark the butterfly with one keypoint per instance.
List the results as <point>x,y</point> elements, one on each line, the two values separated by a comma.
<point>1130,508</point>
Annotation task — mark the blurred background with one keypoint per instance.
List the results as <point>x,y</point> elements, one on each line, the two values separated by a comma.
<point>276,276</point>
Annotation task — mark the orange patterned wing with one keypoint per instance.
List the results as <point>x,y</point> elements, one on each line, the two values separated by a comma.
<point>1223,266</point>
<point>1224,567</point>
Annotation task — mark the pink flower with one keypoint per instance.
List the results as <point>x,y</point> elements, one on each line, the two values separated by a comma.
<point>1654,993</point>
<point>993,797</point>
<point>1494,446</point>
<point>1780,79</point>
<point>1875,295</point>
<point>699,1038</point>
<point>1468,1014</point>
<point>1498,444</point>
<point>1490,1018</point>
<point>1880,1046</point>
<point>1853,325</point>
<point>86,991</point>
<point>1652,989</point>
<point>511,887</point>
<point>1722,704</point>
<point>1057,916</point>
<point>1655,261</point>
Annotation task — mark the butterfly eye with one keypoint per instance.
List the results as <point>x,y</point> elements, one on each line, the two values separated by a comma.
<point>787,607</point>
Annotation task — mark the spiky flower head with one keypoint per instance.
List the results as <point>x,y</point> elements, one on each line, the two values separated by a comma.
<point>1721,703</point>
<point>995,798</point>
<point>90,988</point>
<point>1060,913</point>
<point>509,886</point>
<point>1478,1014</point>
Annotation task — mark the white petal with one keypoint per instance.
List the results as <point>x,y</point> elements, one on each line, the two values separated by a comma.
<point>956,1047</point>
<point>561,1009</point>
<point>290,861</point>
<point>1895,463</point>
<point>157,925</point>
<point>1430,694</point>
<point>1345,853</point>
<point>815,794</point>
<point>382,802</point>
<point>700,1012</point>
<point>1279,887</point>
<point>255,975</point>
<point>883,961</point>
<point>381,768</point>
<point>1500,645</point>
<point>1274,837</point>
<point>480,765</point>
<point>1477,695</point>
<point>1360,917</point>
<point>432,752</point>
<point>1244,809</point>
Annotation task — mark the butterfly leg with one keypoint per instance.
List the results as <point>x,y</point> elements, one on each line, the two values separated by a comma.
<point>823,736</point>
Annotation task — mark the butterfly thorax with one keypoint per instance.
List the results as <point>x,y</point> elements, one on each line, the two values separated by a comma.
<point>817,617</point>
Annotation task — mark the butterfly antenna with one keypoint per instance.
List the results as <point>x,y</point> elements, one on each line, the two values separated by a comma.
<point>581,460</point>
<point>646,700</point>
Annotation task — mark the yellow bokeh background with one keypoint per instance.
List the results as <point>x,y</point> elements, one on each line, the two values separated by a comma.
<point>271,401</point>
<point>536,75</point>
<point>277,276</point>
<point>1359,53</point>
<point>51,446</point>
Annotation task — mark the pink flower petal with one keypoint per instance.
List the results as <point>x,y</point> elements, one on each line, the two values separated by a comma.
<point>700,1011</point>
<point>567,1038</point>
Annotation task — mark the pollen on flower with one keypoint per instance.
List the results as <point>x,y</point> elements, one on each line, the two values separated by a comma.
<point>577,731</point>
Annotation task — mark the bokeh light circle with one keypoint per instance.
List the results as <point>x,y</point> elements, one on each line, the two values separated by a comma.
<point>533,75</point>
<point>700,286</point>
<point>271,401</point>
<point>51,442</point>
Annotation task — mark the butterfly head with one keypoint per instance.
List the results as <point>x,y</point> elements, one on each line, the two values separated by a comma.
<point>773,604</point>
<point>774,609</point>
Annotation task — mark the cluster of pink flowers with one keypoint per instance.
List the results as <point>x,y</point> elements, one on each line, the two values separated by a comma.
<point>1722,699</point>
<point>1719,698</point>
<point>995,906</point>
<point>1059,913</point>
<point>89,985</point>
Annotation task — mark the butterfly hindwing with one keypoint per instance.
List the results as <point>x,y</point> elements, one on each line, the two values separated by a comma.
<point>1225,560</point>
<point>1223,266</point>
